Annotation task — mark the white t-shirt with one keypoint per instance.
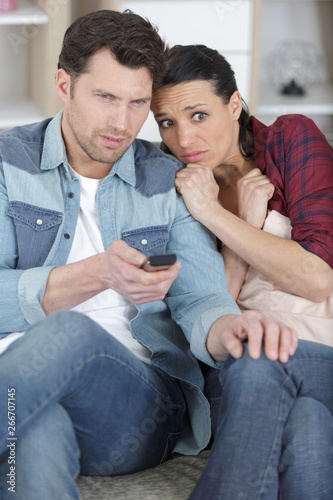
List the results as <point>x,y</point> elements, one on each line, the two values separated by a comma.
<point>109,309</point>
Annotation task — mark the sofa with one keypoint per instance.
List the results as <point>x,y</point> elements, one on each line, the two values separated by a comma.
<point>172,480</point>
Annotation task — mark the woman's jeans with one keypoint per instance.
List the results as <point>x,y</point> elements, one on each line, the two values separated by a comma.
<point>73,399</point>
<point>273,428</point>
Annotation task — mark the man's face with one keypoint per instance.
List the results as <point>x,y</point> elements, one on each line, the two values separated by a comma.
<point>103,112</point>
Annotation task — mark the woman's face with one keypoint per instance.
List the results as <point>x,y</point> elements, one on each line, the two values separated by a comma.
<point>196,125</point>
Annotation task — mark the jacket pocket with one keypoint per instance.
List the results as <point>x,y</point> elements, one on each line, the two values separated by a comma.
<point>36,229</point>
<point>150,240</point>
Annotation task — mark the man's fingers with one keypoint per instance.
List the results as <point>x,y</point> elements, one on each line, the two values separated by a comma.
<point>232,345</point>
<point>246,327</point>
<point>127,253</point>
<point>254,333</point>
<point>294,342</point>
<point>229,332</point>
<point>288,343</point>
<point>149,278</point>
<point>280,340</point>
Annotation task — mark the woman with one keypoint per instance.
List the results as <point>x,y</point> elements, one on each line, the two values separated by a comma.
<point>267,194</point>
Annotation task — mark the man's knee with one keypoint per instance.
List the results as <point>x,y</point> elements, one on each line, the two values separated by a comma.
<point>60,338</point>
<point>247,371</point>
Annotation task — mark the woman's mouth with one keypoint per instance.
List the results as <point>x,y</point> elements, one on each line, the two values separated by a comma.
<point>193,156</point>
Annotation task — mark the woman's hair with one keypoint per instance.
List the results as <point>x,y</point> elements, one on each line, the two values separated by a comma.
<point>132,40</point>
<point>186,63</point>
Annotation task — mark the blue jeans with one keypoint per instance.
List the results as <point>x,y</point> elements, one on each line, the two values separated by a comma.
<point>273,428</point>
<point>83,403</point>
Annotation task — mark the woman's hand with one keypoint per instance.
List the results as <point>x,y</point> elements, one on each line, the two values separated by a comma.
<point>254,191</point>
<point>199,189</point>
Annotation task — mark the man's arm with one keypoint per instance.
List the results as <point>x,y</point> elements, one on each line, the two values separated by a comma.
<point>116,268</point>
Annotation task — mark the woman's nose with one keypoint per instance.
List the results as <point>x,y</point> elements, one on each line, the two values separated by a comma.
<point>184,136</point>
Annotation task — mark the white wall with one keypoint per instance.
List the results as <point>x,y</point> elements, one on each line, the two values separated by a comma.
<point>222,25</point>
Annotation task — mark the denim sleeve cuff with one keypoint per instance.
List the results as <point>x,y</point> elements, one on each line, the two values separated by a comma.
<point>201,329</point>
<point>31,287</point>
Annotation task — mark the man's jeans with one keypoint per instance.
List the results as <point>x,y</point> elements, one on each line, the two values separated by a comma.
<point>273,428</point>
<point>73,399</point>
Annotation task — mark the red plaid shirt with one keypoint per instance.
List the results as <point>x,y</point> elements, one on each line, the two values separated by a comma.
<point>298,160</point>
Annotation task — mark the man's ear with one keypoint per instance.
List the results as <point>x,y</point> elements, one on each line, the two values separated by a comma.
<point>235,104</point>
<point>63,83</point>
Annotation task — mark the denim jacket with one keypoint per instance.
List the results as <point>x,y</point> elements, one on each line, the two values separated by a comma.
<point>137,202</point>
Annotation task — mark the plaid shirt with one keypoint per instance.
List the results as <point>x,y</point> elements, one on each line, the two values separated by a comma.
<point>298,160</point>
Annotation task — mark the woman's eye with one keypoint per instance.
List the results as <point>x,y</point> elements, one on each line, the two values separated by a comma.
<point>166,123</point>
<point>199,117</point>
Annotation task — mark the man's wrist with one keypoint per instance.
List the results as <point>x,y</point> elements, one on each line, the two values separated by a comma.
<point>214,342</point>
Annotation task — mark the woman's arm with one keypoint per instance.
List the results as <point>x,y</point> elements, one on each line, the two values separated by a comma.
<point>235,270</point>
<point>254,190</point>
<point>284,262</point>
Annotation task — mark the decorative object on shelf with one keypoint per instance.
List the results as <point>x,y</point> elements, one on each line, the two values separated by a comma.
<point>7,5</point>
<point>294,66</point>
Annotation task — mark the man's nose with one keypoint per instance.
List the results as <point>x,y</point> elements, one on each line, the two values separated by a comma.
<point>118,118</point>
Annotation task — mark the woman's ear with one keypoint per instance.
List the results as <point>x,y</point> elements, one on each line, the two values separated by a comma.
<point>236,105</point>
<point>63,83</point>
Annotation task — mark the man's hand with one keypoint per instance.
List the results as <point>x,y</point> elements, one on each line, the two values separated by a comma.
<point>228,333</point>
<point>254,191</point>
<point>116,268</point>
<point>121,271</point>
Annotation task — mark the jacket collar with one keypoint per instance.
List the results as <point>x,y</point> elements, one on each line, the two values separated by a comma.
<point>54,151</point>
<point>54,154</point>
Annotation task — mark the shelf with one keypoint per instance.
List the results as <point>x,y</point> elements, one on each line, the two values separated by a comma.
<point>281,1</point>
<point>317,101</point>
<point>27,13</point>
<point>20,112</point>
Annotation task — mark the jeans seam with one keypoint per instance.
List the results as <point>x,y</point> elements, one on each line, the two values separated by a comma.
<point>276,443</point>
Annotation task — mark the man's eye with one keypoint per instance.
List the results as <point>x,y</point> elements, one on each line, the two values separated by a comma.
<point>198,117</point>
<point>105,96</point>
<point>139,102</point>
<point>166,123</point>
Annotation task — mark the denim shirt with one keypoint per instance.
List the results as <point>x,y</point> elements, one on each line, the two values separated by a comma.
<point>137,202</point>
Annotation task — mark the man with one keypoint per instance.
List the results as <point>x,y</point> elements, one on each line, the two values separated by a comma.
<point>113,385</point>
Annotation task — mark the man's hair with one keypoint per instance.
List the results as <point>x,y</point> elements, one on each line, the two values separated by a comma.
<point>133,41</point>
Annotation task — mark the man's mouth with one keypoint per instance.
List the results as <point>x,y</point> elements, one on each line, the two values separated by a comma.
<point>112,142</point>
